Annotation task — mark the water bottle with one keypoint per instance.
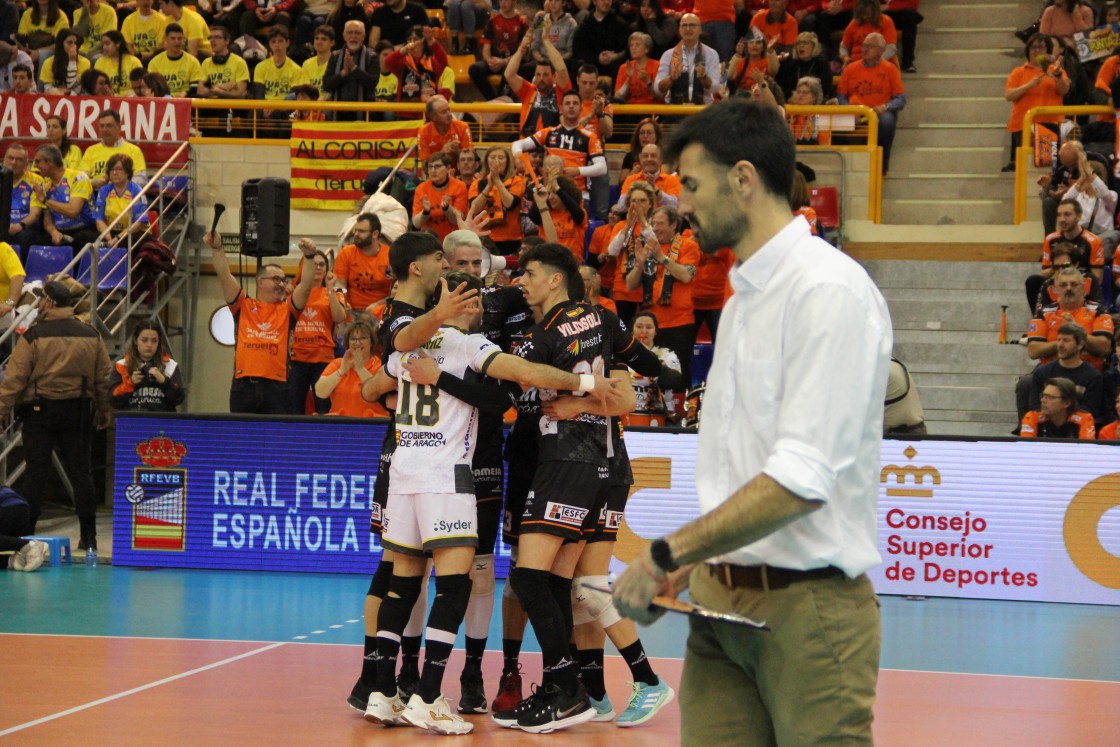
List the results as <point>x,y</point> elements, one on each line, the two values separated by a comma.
<point>91,558</point>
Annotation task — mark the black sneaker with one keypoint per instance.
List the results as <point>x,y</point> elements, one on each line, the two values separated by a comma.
<point>555,709</point>
<point>510,718</point>
<point>408,679</point>
<point>359,696</point>
<point>472,698</point>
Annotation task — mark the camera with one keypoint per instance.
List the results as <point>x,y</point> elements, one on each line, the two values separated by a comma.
<point>146,370</point>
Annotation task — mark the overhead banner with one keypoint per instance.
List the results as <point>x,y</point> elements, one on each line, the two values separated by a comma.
<point>330,160</point>
<point>1097,43</point>
<point>157,126</point>
<point>1016,520</point>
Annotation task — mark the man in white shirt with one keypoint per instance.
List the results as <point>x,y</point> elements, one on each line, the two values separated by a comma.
<point>788,460</point>
<point>688,73</point>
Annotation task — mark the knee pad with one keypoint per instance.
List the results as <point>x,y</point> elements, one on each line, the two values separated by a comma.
<point>531,587</point>
<point>588,604</point>
<point>452,596</point>
<point>482,575</point>
<point>379,584</point>
<point>405,588</point>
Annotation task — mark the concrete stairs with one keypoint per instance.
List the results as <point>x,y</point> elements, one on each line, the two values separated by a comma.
<point>946,318</point>
<point>952,139</point>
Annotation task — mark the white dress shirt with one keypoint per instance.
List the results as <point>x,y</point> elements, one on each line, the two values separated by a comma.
<point>796,391</point>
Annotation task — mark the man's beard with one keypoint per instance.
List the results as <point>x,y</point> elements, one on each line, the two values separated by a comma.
<point>720,232</point>
<point>364,243</point>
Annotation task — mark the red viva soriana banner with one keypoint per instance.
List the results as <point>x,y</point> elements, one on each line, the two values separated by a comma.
<point>158,126</point>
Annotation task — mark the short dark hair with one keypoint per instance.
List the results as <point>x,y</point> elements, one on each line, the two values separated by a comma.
<point>173,28</point>
<point>441,157</point>
<point>22,69</point>
<point>110,113</point>
<point>569,92</point>
<point>1066,388</point>
<point>280,31</point>
<point>645,313</point>
<point>741,130</point>
<point>557,258</point>
<point>1076,331</point>
<point>324,30</point>
<point>457,277</point>
<point>587,68</point>
<point>175,2</point>
<point>1073,203</point>
<point>308,90</point>
<point>124,160</point>
<point>672,215</point>
<point>218,28</point>
<point>546,63</point>
<point>372,219</point>
<point>409,247</point>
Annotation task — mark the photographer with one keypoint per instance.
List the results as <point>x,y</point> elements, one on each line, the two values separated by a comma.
<point>147,378</point>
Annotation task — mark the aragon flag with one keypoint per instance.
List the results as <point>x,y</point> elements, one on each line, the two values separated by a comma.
<point>330,160</point>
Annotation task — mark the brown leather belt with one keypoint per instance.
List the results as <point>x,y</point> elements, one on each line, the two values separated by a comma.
<point>765,576</point>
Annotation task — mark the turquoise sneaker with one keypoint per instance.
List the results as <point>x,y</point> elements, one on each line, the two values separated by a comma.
<point>604,711</point>
<point>645,702</point>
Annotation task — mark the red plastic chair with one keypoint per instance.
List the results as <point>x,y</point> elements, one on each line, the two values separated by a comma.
<point>826,201</point>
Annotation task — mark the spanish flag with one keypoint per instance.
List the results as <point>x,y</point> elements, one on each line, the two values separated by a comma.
<point>330,160</point>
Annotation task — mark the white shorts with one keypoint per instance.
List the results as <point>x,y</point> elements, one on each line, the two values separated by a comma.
<point>417,523</point>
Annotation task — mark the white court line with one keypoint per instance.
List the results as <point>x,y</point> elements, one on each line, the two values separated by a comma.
<point>135,690</point>
<point>1006,676</point>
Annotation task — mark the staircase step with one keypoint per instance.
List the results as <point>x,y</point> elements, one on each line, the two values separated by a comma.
<point>953,358</point>
<point>953,109</point>
<point>975,430</point>
<point>952,159</point>
<point>960,84</point>
<point>975,316</point>
<point>912,133</point>
<point>992,381</point>
<point>949,186</point>
<point>976,416</point>
<point>971,398</point>
<point>916,274</point>
<point>987,36</point>
<point>958,14</point>
<point>958,59</point>
<point>925,212</point>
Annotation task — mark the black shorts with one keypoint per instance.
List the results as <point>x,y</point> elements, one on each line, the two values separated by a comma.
<point>381,488</point>
<point>521,473</point>
<point>566,500</point>
<point>610,515</point>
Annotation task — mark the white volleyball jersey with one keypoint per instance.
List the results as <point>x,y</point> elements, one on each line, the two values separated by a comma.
<point>435,431</point>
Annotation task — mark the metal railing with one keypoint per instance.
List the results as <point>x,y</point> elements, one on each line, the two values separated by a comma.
<point>1026,150</point>
<point>112,305</point>
<point>245,122</point>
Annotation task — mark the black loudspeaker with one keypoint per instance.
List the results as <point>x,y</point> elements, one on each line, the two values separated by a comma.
<point>5,199</point>
<point>265,217</point>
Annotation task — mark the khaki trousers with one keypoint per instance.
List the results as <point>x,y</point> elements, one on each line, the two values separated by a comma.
<point>809,680</point>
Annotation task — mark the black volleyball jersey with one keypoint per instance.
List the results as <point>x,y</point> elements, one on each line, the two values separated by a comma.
<point>583,339</point>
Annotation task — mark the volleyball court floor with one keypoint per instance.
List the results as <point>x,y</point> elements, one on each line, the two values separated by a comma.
<point>121,656</point>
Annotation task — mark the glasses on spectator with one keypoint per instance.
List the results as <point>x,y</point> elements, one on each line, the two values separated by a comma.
<point>276,279</point>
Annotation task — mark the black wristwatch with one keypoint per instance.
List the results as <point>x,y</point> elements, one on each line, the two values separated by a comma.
<point>662,555</point>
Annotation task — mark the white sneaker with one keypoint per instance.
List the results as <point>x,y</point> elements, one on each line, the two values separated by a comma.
<point>31,556</point>
<point>385,710</point>
<point>437,716</point>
